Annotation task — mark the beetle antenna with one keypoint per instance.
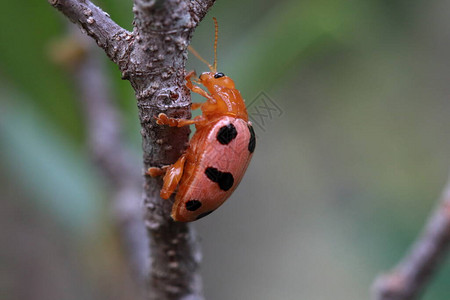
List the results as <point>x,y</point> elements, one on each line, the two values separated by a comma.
<point>216,26</point>
<point>193,51</point>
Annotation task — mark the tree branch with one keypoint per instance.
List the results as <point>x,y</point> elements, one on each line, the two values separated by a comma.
<point>408,279</point>
<point>163,30</point>
<point>199,8</point>
<point>153,60</point>
<point>84,62</point>
<point>97,24</point>
<point>108,150</point>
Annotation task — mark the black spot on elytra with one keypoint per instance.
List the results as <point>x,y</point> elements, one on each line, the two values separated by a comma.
<point>252,142</point>
<point>225,180</point>
<point>226,134</point>
<point>193,205</point>
<point>204,214</point>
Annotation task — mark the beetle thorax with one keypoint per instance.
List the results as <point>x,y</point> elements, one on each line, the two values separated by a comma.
<point>227,99</point>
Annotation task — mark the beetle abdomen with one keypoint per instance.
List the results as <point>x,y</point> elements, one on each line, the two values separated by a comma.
<point>215,164</point>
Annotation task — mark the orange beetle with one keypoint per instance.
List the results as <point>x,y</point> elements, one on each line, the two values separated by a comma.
<point>219,151</point>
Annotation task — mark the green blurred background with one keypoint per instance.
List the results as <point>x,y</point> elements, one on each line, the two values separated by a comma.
<point>340,183</point>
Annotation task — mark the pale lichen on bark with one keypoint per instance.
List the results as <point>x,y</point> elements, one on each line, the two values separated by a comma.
<point>152,58</point>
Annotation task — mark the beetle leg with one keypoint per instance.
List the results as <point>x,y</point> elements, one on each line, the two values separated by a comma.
<point>155,171</point>
<point>163,119</point>
<point>196,105</point>
<point>196,89</point>
<point>189,80</point>
<point>172,177</point>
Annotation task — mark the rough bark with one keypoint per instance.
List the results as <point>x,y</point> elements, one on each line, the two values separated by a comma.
<point>409,278</point>
<point>153,58</point>
<point>96,23</point>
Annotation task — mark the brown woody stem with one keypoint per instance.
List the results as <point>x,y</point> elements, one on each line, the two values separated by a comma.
<point>153,59</point>
<point>409,278</point>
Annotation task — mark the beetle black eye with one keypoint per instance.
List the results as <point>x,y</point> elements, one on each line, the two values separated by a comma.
<point>218,75</point>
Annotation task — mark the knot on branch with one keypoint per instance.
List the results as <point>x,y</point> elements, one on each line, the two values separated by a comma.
<point>145,5</point>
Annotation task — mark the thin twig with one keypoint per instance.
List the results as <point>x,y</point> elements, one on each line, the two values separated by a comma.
<point>153,59</point>
<point>97,24</point>
<point>409,278</point>
<point>77,54</point>
<point>108,150</point>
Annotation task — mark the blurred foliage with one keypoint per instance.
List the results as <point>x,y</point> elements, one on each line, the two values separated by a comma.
<point>340,184</point>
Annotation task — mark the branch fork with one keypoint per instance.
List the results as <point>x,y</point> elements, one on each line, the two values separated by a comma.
<point>153,58</point>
